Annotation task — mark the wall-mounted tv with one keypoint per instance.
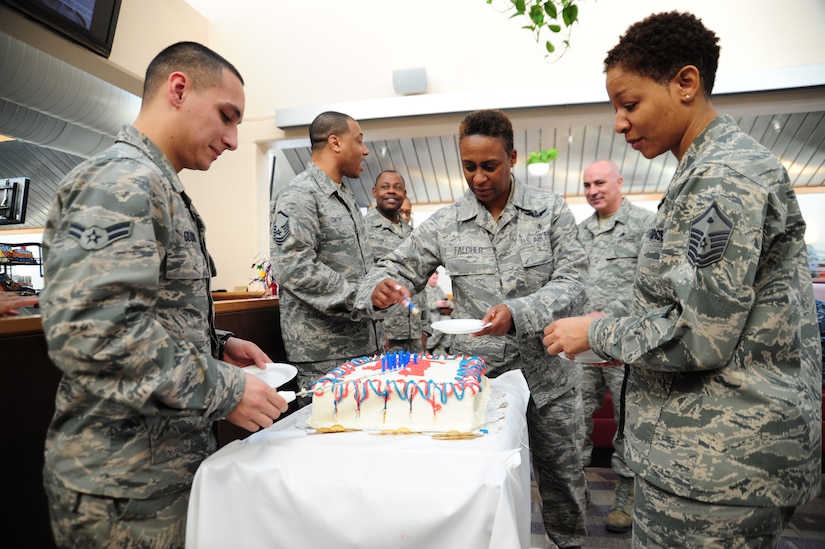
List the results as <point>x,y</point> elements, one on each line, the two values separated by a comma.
<point>90,23</point>
<point>14,196</point>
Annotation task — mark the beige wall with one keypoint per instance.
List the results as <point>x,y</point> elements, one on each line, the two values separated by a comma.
<point>147,26</point>
<point>330,52</point>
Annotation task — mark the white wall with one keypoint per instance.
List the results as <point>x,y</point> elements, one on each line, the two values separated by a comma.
<point>329,51</point>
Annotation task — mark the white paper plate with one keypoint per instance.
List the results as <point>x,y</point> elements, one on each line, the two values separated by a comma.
<point>459,326</point>
<point>587,357</point>
<point>275,374</point>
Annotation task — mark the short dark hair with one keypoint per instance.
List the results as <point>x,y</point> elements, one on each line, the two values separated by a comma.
<point>489,123</point>
<point>204,66</point>
<point>661,44</point>
<point>326,124</point>
<point>377,177</point>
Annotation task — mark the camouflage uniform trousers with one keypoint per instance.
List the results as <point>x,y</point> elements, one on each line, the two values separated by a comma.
<point>88,520</point>
<point>555,432</point>
<point>409,345</point>
<point>594,382</point>
<point>664,520</point>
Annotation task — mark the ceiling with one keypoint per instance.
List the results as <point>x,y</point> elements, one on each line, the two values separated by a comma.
<point>432,170</point>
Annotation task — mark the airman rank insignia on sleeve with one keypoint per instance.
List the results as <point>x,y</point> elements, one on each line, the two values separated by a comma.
<point>95,238</point>
<point>280,228</point>
<point>709,236</point>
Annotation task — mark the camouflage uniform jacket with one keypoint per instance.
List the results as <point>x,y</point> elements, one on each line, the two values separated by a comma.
<point>321,252</point>
<point>530,260</point>
<point>613,253</point>
<point>127,315</point>
<point>385,236</point>
<point>724,387</point>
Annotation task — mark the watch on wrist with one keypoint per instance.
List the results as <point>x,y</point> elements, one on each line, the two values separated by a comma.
<point>222,339</point>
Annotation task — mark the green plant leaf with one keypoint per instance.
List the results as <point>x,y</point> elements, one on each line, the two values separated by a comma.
<point>569,14</point>
<point>537,15</point>
<point>543,18</point>
<point>547,155</point>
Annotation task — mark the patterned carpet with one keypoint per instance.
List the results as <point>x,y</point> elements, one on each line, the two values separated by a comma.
<point>806,531</point>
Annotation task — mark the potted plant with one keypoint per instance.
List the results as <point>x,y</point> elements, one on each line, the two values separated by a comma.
<point>538,162</point>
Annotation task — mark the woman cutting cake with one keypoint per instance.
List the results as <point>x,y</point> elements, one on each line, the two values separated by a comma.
<point>515,264</point>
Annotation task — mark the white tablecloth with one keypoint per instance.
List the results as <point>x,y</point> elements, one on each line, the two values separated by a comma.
<point>290,487</point>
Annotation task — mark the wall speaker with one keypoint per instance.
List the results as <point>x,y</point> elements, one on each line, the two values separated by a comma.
<point>410,81</point>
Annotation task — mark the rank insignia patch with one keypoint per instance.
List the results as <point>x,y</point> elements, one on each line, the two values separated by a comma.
<point>709,236</point>
<point>96,238</point>
<point>280,228</point>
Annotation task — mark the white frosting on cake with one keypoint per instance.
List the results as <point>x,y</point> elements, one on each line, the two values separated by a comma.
<point>403,391</point>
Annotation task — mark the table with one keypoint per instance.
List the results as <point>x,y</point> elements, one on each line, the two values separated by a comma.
<point>290,487</point>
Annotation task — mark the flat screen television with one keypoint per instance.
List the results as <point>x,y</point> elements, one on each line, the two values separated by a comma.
<point>90,23</point>
<point>14,196</point>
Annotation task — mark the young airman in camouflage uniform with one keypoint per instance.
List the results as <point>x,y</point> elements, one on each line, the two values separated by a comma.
<point>405,329</point>
<point>724,400</point>
<point>514,262</point>
<point>321,252</point>
<point>128,319</point>
<point>612,237</point>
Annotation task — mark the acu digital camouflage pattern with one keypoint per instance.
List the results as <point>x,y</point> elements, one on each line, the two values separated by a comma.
<point>400,324</point>
<point>320,252</point>
<point>613,253</point>
<point>128,320</point>
<point>531,261</point>
<point>724,399</point>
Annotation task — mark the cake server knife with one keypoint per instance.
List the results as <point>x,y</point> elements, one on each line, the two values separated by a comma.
<point>289,396</point>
